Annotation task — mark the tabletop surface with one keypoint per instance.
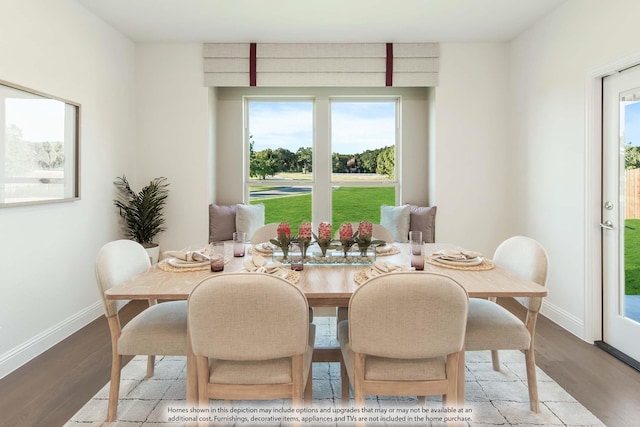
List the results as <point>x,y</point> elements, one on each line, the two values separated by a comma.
<point>327,286</point>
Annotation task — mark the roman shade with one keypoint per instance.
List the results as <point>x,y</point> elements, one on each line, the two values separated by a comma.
<point>321,64</point>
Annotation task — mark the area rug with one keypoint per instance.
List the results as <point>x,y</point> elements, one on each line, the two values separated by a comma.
<point>492,398</point>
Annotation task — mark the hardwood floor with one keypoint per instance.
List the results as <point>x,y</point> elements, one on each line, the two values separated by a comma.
<point>51,388</point>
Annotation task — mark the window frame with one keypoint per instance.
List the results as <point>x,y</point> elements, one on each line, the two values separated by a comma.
<point>322,171</point>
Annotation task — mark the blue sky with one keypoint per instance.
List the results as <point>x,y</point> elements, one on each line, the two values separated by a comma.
<point>39,119</point>
<point>632,123</point>
<point>356,126</point>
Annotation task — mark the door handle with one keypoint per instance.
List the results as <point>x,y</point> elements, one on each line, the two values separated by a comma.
<point>607,225</point>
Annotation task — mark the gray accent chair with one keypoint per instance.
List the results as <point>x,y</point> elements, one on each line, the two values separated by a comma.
<point>160,329</point>
<point>492,327</point>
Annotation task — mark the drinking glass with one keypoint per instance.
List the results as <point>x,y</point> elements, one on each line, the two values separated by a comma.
<point>295,255</point>
<point>217,256</point>
<point>239,239</point>
<point>417,250</point>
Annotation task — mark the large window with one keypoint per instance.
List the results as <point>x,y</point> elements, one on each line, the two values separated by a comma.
<point>39,143</point>
<point>322,158</point>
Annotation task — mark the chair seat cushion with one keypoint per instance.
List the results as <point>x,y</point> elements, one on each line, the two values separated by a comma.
<point>159,329</point>
<point>492,327</point>
<point>386,369</point>
<point>273,371</point>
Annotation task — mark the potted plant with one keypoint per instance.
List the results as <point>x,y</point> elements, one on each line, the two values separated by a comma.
<point>143,212</point>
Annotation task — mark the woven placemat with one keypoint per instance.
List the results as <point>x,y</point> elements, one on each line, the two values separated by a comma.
<point>165,266</point>
<point>254,251</point>
<point>484,266</point>
<point>393,251</point>
<point>361,276</point>
<point>293,276</point>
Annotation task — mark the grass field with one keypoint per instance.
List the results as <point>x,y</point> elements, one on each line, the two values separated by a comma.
<point>632,257</point>
<point>350,204</point>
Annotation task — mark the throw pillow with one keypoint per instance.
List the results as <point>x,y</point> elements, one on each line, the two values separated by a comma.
<point>423,218</point>
<point>249,218</point>
<point>396,220</point>
<point>222,222</point>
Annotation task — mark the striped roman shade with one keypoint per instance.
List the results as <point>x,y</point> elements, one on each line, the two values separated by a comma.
<point>321,64</point>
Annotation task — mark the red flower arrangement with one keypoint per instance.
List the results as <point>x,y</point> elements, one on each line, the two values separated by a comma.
<point>323,238</point>
<point>345,232</point>
<point>363,237</point>
<point>283,238</point>
<point>304,237</point>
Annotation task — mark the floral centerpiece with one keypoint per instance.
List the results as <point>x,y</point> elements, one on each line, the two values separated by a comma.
<point>363,237</point>
<point>304,237</point>
<point>283,238</point>
<point>323,238</point>
<point>345,232</point>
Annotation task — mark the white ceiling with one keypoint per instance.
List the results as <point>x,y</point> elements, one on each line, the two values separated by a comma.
<point>317,21</point>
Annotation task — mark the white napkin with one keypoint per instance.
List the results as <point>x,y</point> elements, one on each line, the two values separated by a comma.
<point>258,264</point>
<point>382,267</point>
<point>188,256</point>
<point>456,255</point>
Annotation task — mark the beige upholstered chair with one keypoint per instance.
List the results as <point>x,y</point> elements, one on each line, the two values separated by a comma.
<point>160,329</point>
<point>492,327</point>
<point>251,337</point>
<point>265,233</point>
<point>379,232</point>
<point>404,336</point>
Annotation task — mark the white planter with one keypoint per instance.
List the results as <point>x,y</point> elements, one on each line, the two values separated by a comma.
<point>154,253</point>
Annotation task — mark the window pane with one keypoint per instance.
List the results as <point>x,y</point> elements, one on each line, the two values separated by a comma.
<point>363,139</point>
<point>280,139</point>
<point>354,204</point>
<point>283,203</point>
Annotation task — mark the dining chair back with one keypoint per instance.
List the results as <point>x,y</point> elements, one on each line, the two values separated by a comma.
<point>404,336</point>
<point>264,233</point>
<point>252,339</point>
<point>490,326</point>
<point>160,329</point>
<point>527,258</point>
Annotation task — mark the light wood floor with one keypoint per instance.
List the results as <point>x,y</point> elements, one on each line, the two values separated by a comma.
<point>51,388</point>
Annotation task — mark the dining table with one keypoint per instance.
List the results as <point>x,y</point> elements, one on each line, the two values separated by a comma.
<point>329,285</point>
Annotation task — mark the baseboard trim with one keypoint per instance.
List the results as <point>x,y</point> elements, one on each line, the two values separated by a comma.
<point>618,355</point>
<point>18,356</point>
<point>563,318</point>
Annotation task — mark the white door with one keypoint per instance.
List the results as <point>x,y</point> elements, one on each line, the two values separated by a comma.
<point>621,211</point>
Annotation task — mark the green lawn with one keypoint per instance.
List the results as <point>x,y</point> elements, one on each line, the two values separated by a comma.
<point>350,204</point>
<point>632,257</point>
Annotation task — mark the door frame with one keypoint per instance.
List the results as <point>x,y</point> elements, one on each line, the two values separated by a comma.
<point>593,315</point>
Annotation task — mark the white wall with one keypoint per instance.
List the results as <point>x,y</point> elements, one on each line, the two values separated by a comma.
<point>472,137</point>
<point>47,252</point>
<point>549,65</point>
<point>173,137</point>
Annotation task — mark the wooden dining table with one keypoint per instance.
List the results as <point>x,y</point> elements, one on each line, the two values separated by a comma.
<point>323,285</point>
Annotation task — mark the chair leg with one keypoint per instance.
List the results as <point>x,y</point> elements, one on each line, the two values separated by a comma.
<point>358,388</point>
<point>308,389</point>
<point>495,359</point>
<point>532,382</point>
<point>342,313</point>
<point>461,374</point>
<point>344,378</point>
<point>114,388</point>
<point>151,361</point>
